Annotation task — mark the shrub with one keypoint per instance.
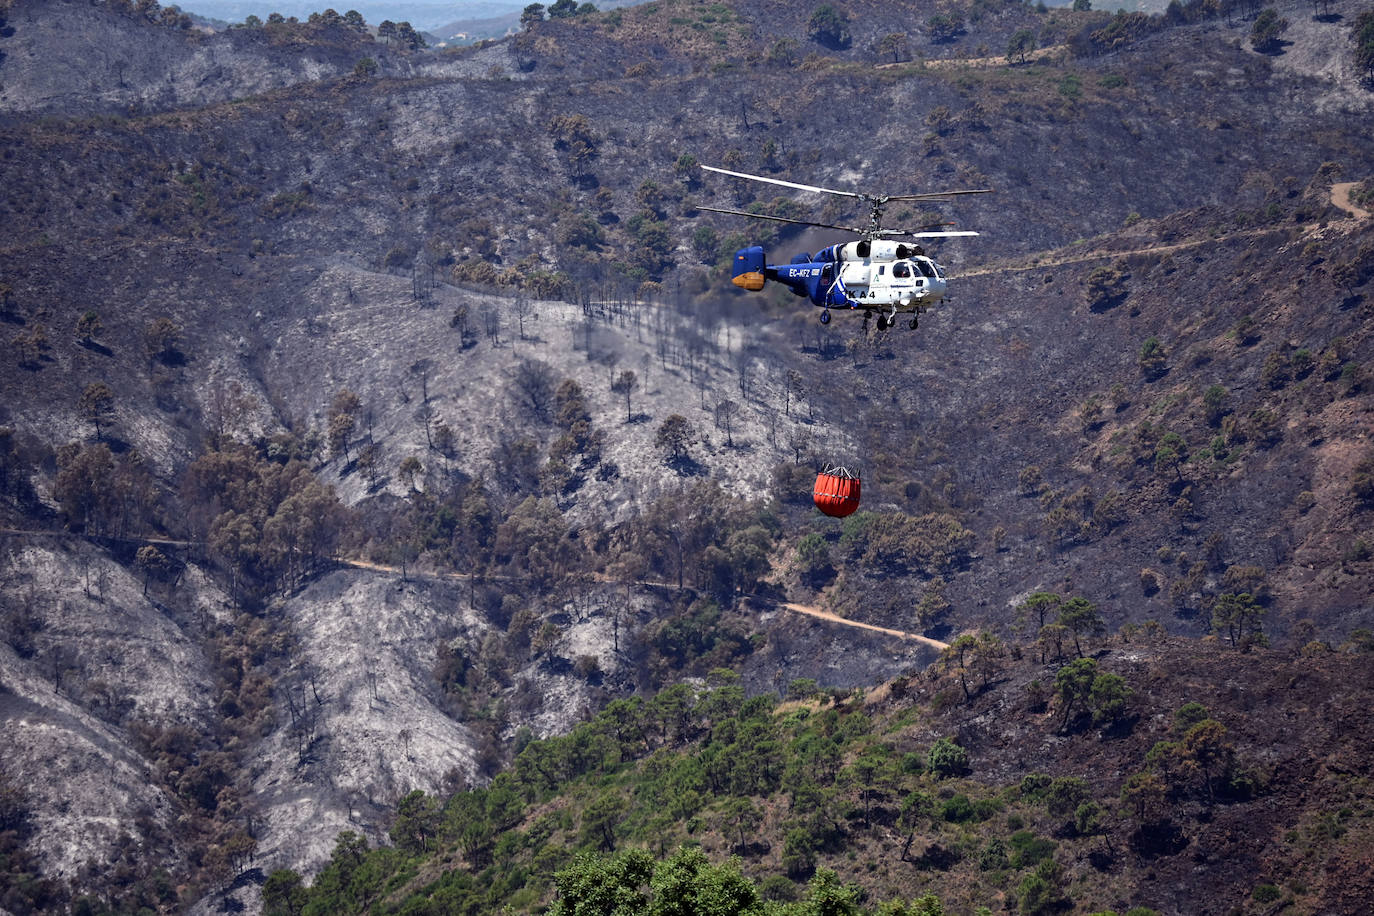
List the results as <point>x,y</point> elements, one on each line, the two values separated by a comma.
<point>1033,785</point>
<point>1035,895</point>
<point>1214,404</point>
<point>1274,373</point>
<point>1106,287</point>
<point>1264,427</point>
<point>1189,714</point>
<point>957,809</point>
<point>946,758</point>
<point>1028,850</point>
<point>1149,581</point>
<point>1268,26</point>
<point>1362,481</point>
<point>993,856</point>
<point>829,26</point>
<point>1152,358</point>
<point>944,27</point>
<point>1244,332</point>
<point>1090,413</point>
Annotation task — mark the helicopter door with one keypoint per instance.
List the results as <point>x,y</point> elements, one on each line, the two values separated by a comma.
<point>856,276</point>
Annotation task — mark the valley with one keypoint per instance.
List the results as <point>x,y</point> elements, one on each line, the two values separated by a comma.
<point>401,511</point>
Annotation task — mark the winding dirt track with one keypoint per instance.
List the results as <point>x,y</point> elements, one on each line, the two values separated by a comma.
<point>977,63</point>
<point>57,533</point>
<point>1340,198</point>
<point>794,608</point>
<point>379,567</point>
<point>834,618</point>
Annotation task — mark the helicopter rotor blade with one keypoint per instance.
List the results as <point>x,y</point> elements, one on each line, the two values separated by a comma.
<point>933,231</point>
<point>942,234</point>
<point>785,184</point>
<point>782,219</point>
<point>924,232</point>
<point>929,196</point>
<point>937,196</point>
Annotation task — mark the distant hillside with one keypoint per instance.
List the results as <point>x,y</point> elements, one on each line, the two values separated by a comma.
<point>475,25</point>
<point>419,13</point>
<point>110,59</point>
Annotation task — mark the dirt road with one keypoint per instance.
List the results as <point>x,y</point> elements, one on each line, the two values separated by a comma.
<point>794,608</point>
<point>951,63</point>
<point>1340,197</point>
<point>835,618</point>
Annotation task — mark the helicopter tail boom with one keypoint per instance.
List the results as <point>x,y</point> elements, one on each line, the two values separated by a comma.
<point>750,268</point>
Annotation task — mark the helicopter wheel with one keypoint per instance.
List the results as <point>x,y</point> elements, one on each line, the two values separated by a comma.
<point>912,323</point>
<point>884,322</point>
<point>825,317</point>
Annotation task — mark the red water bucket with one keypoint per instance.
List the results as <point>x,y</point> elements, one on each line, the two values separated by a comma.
<point>837,492</point>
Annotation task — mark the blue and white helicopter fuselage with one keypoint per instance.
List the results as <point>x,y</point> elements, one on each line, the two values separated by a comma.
<point>879,275</point>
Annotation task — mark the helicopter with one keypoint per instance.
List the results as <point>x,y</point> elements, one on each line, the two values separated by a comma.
<point>877,274</point>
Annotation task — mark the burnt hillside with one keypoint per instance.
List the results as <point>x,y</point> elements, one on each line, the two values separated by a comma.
<point>346,402</point>
<point>548,175</point>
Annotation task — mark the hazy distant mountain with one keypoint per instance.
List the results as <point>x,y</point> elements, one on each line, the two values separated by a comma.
<point>467,31</point>
<point>473,19</point>
<point>474,27</point>
<point>425,16</point>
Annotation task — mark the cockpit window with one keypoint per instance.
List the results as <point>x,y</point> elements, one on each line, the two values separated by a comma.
<point>926,268</point>
<point>901,269</point>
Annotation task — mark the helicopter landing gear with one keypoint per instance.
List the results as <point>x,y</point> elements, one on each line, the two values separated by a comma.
<point>884,323</point>
<point>825,316</point>
<point>913,322</point>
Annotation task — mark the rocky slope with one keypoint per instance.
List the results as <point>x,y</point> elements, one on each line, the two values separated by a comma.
<point>406,235</point>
